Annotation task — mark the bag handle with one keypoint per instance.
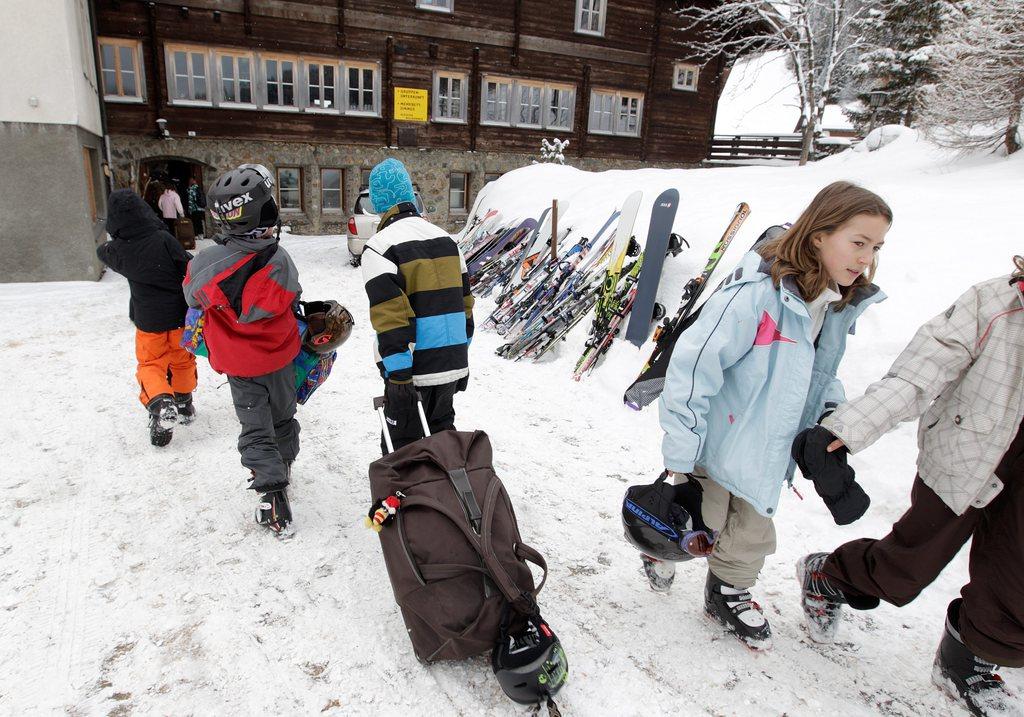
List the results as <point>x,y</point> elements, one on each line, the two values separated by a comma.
<point>442,571</point>
<point>531,555</point>
<point>524,600</point>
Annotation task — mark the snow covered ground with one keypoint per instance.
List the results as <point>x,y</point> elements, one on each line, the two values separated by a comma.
<point>133,580</point>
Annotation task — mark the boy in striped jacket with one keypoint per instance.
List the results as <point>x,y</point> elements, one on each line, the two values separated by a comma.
<point>420,306</point>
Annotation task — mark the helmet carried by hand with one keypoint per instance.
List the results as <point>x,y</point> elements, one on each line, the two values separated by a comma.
<point>328,326</point>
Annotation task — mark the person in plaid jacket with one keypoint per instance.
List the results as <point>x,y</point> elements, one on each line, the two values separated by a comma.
<point>961,374</point>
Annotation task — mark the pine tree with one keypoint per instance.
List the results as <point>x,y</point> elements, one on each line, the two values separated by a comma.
<point>900,62</point>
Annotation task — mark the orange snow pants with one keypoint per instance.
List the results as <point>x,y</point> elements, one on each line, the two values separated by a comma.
<point>164,367</point>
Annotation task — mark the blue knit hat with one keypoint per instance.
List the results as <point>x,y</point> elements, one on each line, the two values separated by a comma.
<point>390,185</point>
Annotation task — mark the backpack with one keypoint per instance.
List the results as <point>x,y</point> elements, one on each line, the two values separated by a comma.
<point>451,545</point>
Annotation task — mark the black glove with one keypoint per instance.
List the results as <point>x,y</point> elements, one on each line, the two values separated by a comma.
<point>461,384</point>
<point>399,396</point>
<point>832,476</point>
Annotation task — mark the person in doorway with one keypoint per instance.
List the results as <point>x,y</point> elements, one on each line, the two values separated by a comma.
<point>170,207</point>
<point>420,306</point>
<point>154,263</point>
<point>961,374</point>
<point>196,207</point>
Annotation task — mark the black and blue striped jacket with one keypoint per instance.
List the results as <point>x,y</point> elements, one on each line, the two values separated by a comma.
<point>420,303</point>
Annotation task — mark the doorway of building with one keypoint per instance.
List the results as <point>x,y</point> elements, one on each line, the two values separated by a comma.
<point>157,174</point>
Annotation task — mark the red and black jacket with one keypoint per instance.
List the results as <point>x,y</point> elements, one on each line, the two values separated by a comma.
<point>247,289</point>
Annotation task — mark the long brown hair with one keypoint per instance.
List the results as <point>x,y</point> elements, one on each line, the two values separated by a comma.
<point>795,254</point>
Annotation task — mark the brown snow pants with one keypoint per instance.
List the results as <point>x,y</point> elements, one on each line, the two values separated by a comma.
<point>922,542</point>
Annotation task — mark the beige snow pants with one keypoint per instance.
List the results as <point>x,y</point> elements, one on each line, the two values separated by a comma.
<point>745,536</point>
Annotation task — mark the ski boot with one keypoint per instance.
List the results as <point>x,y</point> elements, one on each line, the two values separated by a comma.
<point>822,601</point>
<point>969,679</point>
<point>162,417</point>
<point>736,611</point>
<point>186,411</point>
<point>274,511</point>
<point>660,573</point>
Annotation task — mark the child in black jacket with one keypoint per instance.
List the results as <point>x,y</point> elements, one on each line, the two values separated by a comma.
<point>154,262</point>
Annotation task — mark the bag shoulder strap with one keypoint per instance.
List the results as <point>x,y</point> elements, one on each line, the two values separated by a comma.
<point>464,492</point>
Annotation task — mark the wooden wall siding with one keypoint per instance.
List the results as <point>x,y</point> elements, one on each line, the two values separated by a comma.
<point>627,25</point>
<point>680,123</point>
<point>679,118</point>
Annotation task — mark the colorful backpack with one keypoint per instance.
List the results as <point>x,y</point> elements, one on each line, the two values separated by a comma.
<point>311,369</point>
<point>192,338</point>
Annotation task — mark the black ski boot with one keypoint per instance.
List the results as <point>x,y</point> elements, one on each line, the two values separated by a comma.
<point>186,411</point>
<point>660,573</point>
<point>822,601</point>
<point>162,417</point>
<point>274,511</point>
<point>968,678</point>
<point>736,611</point>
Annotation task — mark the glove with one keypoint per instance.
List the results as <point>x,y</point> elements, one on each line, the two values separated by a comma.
<point>833,478</point>
<point>461,384</point>
<point>400,396</point>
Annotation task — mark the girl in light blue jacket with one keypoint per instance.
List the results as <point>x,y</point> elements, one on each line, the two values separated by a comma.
<point>758,366</point>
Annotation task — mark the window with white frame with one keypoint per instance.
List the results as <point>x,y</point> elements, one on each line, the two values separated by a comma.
<point>321,79</point>
<point>684,76</point>
<point>496,101</point>
<point>189,74</point>
<point>527,103</point>
<point>289,188</point>
<point>331,183</point>
<point>120,63</point>
<point>558,107</point>
<point>529,99</point>
<point>627,120</point>
<point>590,17</point>
<point>457,183</point>
<point>436,5</point>
<point>616,113</point>
<point>235,78</point>
<point>449,97</point>
<point>279,81</point>
<point>361,89</point>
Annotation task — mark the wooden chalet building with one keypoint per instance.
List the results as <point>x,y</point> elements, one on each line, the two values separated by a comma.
<point>460,90</point>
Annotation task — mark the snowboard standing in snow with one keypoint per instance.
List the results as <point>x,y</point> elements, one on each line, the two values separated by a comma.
<point>651,380</point>
<point>658,234</point>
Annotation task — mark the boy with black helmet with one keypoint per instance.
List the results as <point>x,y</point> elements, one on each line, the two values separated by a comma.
<point>248,287</point>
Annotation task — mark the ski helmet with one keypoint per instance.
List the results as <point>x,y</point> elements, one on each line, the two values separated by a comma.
<point>530,664</point>
<point>242,201</point>
<point>661,519</point>
<point>328,326</point>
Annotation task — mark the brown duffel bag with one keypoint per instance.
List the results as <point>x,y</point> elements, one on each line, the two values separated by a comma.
<point>185,232</point>
<point>451,544</point>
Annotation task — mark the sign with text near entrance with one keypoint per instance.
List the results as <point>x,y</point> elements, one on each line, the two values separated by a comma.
<point>410,104</point>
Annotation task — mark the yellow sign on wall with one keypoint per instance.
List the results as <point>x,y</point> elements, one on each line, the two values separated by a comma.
<point>410,104</point>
